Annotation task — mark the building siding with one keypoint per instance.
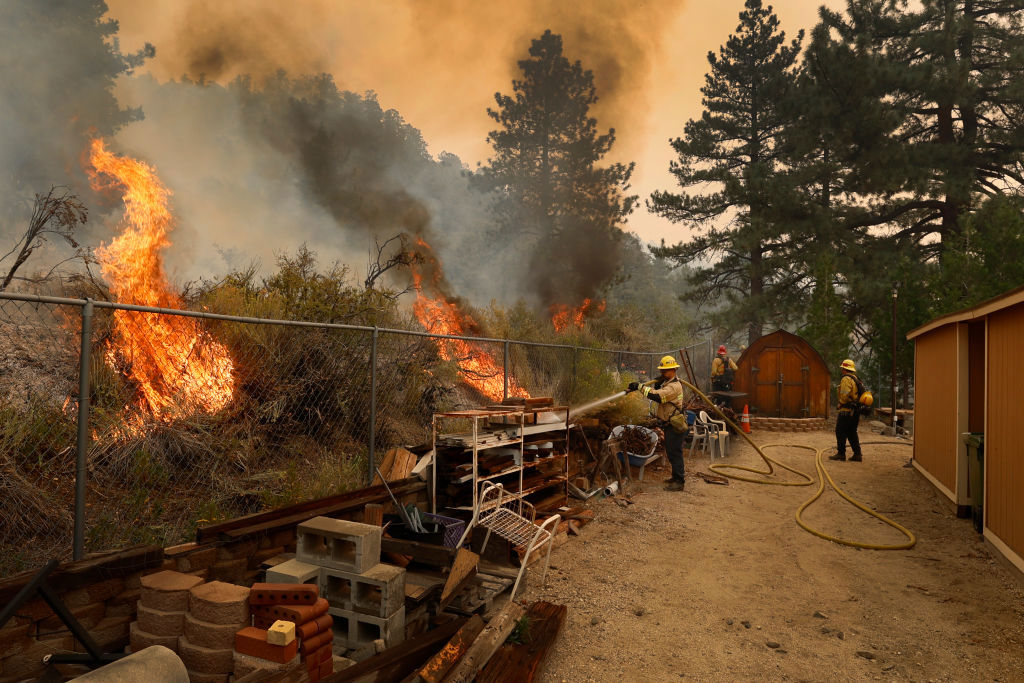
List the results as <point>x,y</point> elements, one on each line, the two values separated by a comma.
<point>935,410</point>
<point>1004,444</point>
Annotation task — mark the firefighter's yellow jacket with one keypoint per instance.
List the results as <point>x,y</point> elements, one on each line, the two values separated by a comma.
<point>666,401</point>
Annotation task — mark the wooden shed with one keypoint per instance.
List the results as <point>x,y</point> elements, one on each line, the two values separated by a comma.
<point>783,376</point>
<point>968,374</point>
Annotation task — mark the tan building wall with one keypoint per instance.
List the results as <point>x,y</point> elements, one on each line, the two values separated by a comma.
<point>935,407</point>
<point>1004,440</point>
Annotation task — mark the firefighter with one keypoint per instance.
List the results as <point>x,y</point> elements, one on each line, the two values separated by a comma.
<point>723,373</point>
<point>851,390</point>
<point>666,396</point>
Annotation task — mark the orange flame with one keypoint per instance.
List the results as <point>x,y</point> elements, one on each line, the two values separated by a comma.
<point>442,316</point>
<point>562,316</point>
<point>179,370</point>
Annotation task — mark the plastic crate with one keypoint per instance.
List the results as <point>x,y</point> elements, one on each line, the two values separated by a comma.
<point>453,528</point>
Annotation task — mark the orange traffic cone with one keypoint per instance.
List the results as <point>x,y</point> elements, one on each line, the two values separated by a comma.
<point>745,420</point>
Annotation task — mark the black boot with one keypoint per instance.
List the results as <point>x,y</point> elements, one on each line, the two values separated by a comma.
<point>855,457</point>
<point>838,456</point>
<point>676,486</point>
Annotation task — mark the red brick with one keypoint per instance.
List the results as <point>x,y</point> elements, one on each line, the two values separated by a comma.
<point>310,645</point>
<point>326,653</point>
<point>298,614</point>
<point>253,641</point>
<point>311,628</point>
<point>326,668</point>
<point>283,594</point>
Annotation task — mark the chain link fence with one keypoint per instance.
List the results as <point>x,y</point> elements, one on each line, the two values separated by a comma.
<point>195,417</point>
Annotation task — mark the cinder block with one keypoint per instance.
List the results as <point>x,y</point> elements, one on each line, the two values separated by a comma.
<point>364,629</point>
<point>379,592</point>
<point>214,636</point>
<point>167,591</point>
<point>205,660</point>
<point>161,623</point>
<point>297,614</point>
<point>294,571</point>
<point>283,594</point>
<point>253,641</point>
<point>339,544</point>
<point>140,640</point>
<point>220,603</point>
<point>281,633</point>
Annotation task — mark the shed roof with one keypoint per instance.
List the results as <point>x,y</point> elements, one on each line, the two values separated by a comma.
<point>1005,300</point>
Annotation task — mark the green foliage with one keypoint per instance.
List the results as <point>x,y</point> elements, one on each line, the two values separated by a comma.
<point>520,634</point>
<point>828,329</point>
<point>986,259</point>
<point>727,164</point>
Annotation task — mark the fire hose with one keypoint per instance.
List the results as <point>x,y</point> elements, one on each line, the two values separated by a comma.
<point>823,476</point>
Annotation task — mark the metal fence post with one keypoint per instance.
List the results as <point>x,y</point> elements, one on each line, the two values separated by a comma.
<point>651,376</point>
<point>506,368</point>
<point>82,445</point>
<point>372,465</point>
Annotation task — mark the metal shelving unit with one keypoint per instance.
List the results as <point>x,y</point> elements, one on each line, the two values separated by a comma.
<point>498,427</point>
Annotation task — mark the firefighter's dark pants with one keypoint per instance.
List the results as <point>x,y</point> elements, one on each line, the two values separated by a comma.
<point>674,448</point>
<point>846,430</point>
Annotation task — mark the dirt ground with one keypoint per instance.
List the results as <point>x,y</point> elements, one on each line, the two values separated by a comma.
<point>719,583</point>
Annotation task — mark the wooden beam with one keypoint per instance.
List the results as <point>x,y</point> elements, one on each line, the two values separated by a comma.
<point>344,502</point>
<point>521,662</point>
<point>440,664</point>
<point>397,662</point>
<point>463,570</point>
<point>486,644</point>
<point>71,575</point>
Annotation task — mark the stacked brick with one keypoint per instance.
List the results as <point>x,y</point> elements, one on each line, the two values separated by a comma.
<point>216,611</point>
<point>365,597</point>
<point>163,601</point>
<point>291,627</point>
<point>782,424</point>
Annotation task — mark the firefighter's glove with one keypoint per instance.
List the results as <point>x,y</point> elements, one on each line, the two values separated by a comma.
<point>633,386</point>
<point>645,390</point>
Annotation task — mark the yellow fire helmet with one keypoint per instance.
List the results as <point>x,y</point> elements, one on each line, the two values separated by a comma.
<point>848,365</point>
<point>668,363</point>
<point>866,399</point>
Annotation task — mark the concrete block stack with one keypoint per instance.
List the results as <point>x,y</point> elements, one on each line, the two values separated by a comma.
<point>216,611</point>
<point>163,603</point>
<point>288,618</point>
<point>366,598</point>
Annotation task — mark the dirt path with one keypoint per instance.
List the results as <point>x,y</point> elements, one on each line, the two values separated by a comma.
<point>666,588</point>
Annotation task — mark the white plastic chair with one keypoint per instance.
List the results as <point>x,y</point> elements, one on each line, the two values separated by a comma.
<point>700,432</point>
<point>717,433</point>
<point>511,517</point>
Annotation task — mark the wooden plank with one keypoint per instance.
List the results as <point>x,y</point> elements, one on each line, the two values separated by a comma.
<point>343,502</point>
<point>71,575</point>
<point>486,644</point>
<point>437,555</point>
<point>522,661</point>
<point>385,466</point>
<point>275,521</point>
<point>405,462</point>
<point>395,663</point>
<point>373,514</point>
<point>463,570</point>
<point>440,664</point>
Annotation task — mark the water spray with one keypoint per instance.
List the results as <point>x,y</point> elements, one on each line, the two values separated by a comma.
<point>587,407</point>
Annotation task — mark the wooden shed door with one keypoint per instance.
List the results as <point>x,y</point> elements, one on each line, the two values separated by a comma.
<point>781,382</point>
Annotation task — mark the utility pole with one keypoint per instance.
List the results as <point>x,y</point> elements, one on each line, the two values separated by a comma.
<point>893,400</point>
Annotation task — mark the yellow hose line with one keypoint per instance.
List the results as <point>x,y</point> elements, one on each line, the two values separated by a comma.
<point>823,475</point>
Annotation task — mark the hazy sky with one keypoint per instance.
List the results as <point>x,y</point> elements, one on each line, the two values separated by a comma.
<point>439,62</point>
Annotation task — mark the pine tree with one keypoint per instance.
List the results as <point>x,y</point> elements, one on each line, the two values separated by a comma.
<point>735,147</point>
<point>952,74</point>
<point>553,196</point>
